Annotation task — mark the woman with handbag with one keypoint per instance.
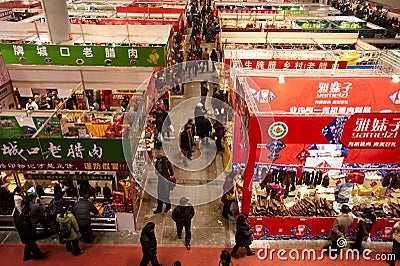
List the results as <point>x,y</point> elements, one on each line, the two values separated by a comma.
<point>229,195</point>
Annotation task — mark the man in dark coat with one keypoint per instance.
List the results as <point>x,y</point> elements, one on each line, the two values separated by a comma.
<point>242,236</point>
<point>82,211</point>
<point>27,234</point>
<point>186,143</point>
<point>38,215</point>
<point>165,174</point>
<point>364,227</point>
<point>338,231</point>
<point>149,245</point>
<point>182,215</point>
<point>55,207</point>
<point>203,126</point>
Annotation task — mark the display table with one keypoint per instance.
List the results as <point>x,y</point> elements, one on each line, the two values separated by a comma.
<point>97,130</point>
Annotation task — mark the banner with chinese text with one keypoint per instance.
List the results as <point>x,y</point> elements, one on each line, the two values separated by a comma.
<point>67,177</point>
<point>62,154</point>
<point>79,55</point>
<point>323,95</point>
<point>271,64</point>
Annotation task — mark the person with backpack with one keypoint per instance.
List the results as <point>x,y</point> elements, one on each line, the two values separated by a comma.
<point>69,230</point>
<point>55,207</point>
<point>182,216</point>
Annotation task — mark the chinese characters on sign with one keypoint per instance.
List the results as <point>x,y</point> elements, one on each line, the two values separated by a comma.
<point>83,55</point>
<point>379,131</point>
<point>269,64</point>
<point>62,154</point>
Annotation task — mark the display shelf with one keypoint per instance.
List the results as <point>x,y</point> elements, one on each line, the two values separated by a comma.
<point>104,224</point>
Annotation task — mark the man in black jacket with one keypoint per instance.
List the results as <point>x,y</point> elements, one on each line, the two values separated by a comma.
<point>204,128</point>
<point>27,234</point>
<point>186,143</point>
<point>182,215</point>
<point>149,245</point>
<point>82,210</point>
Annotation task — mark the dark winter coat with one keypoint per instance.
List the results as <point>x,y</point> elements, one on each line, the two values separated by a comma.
<point>364,227</point>
<point>56,206</point>
<point>25,228</point>
<point>243,234</point>
<point>82,210</point>
<point>219,129</point>
<point>148,242</point>
<point>214,56</point>
<point>203,126</point>
<point>37,213</point>
<point>183,214</point>
<point>186,140</point>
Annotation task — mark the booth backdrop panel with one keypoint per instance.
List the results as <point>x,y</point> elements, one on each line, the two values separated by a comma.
<point>312,228</point>
<point>325,95</point>
<point>302,133</point>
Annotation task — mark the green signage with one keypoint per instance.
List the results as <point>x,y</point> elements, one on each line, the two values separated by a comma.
<point>294,12</point>
<point>80,55</point>
<point>51,130</point>
<point>9,127</point>
<point>67,177</point>
<point>63,154</point>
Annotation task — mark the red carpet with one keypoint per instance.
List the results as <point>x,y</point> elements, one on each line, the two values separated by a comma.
<point>131,255</point>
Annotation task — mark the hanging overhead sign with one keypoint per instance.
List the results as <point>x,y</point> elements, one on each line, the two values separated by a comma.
<point>62,154</point>
<point>271,64</point>
<point>77,55</point>
<point>6,14</point>
<point>324,95</point>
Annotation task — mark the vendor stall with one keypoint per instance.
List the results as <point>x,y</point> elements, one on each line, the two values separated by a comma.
<point>310,138</point>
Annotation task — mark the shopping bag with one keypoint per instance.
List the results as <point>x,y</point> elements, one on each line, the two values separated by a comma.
<point>160,137</point>
<point>171,129</point>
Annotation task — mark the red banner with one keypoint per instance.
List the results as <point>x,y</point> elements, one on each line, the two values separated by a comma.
<point>271,64</point>
<point>323,95</point>
<point>6,15</point>
<point>372,131</point>
<point>312,228</point>
<point>246,11</point>
<point>151,10</point>
<point>110,21</point>
<point>298,133</point>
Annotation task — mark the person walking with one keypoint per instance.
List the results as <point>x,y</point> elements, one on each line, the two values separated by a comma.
<point>203,91</point>
<point>219,130</point>
<point>229,195</point>
<point>364,227</point>
<point>242,236</point>
<point>148,242</point>
<point>82,210</point>
<point>205,57</point>
<point>396,244</point>
<point>214,58</point>
<point>165,183</point>
<point>68,220</point>
<point>225,259</point>
<point>340,226</point>
<point>26,232</point>
<point>186,143</point>
<point>182,216</point>
<point>204,128</point>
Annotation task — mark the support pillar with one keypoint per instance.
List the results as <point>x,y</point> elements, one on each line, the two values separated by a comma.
<point>57,20</point>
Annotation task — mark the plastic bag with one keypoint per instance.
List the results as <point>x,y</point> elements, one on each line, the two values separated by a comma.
<point>171,129</point>
<point>160,137</point>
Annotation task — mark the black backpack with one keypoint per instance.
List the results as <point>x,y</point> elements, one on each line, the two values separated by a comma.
<point>65,231</point>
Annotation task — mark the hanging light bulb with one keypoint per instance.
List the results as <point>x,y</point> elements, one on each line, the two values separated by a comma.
<point>281,79</point>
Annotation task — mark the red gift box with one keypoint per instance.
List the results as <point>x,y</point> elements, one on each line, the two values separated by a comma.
<point>119,207</point>
<point>118,197</point>
<point>355,177</point>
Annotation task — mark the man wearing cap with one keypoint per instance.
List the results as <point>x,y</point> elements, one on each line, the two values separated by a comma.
<point>338,232</point>
<point>182,215</point>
